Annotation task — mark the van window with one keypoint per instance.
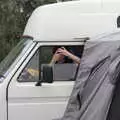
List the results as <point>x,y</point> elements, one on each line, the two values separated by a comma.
<point>64,59</point>
<point>14,53</point>
<point>31,72</point>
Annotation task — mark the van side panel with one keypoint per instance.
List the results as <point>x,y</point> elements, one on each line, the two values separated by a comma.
<point>68,20</point>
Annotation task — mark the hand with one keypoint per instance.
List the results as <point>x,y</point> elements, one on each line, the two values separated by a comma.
<point>63,51</point>
<point>56,57</point>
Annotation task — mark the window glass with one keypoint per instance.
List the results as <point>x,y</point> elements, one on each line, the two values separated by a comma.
<point>31,72</point>
<point>11,57</point>
<point>63,59</point>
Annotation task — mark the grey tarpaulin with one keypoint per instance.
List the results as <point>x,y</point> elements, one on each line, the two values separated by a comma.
<point>95,83</point>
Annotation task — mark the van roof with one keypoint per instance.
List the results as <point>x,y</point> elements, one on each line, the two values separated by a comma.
<point>69,20</point>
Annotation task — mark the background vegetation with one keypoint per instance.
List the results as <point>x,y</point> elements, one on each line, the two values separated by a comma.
<point>13,17</point>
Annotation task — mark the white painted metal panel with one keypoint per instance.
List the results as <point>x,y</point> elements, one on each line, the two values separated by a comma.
<point>29,102</point>
<point>46,102</point>
<point>68,20</point>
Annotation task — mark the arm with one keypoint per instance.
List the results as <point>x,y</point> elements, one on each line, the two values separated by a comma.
<point>55,58</point>
<point>74,58</point>
<point>64,52</point>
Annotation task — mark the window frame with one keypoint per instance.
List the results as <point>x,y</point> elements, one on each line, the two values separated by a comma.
<point>44,44</point>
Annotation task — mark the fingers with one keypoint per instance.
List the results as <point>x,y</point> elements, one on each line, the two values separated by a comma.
<point>63,51</point>
<point>63,48</point>
<point>60,51</point>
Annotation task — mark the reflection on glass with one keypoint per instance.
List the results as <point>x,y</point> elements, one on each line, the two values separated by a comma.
<point>10,58</point>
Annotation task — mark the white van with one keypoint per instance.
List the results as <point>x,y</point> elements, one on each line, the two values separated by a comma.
<point>26,93</point>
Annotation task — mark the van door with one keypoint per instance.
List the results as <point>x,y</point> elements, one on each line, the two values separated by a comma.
<point>26,101</point>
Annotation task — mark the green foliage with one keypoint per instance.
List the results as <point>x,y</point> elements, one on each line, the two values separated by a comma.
<point>13,17</point>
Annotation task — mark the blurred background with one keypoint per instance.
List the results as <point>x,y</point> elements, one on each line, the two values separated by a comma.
<point>13,17</point>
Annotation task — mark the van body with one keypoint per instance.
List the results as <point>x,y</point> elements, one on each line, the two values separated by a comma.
<point>60,24</point>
